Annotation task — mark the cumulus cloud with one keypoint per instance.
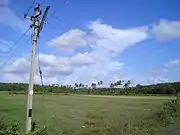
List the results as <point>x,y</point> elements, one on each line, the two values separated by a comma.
<point>106,44</point>
<point>9,18</point>
<point>4,46</point>
<point>101,37</point>
<point>100,62</point>
<point>82,59</point>
<point>69,40</point>
<point>167,30</point>
<point>147,80</point>
<point>52,66</point>
<point>173,64</point>
<point>105,37</point>
<point>19,66</point>
<point>52,60</point>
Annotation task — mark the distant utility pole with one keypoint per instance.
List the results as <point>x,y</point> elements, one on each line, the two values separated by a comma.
<point>37,29</point>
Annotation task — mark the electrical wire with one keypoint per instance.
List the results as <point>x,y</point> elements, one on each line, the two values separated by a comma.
<point>39,65</point>
<point>42,84</point>
<point>64,2</point>
<point>14,45</point>
<point>30,7</point>
<point>52,15</point>
<point>42,2</point>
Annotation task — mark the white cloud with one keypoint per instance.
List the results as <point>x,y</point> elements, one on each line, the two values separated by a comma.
<point>101,37</point>
<point>69,40</point>
<point>19,66</point>
<point>106,43</point>
<point>105,37</point>
<point>52,66</point>
<point>147,80</point>
<point>4,46</point>
<point>175,62</point>
<point>82,59</point>
<point>9,18</point>
<point>167,30</point>
<point>52,60</point>
<point>99,63</point>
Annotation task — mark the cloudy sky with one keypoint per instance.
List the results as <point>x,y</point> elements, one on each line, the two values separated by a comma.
<point>89,40</point>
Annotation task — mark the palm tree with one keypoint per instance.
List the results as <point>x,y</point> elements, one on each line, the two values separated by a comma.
<point>118,83</point>
<point>115,84</point>
<point>76,85</point>
<point>93,85</point>
<point>128,82</point>
<point>80,85</point>
<point>112,85</point>
<point>126,85</point>
<point>100,83</point>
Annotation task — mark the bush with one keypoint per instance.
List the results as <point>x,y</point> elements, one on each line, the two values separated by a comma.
<point>40,131</point>
<point>173,107</point>
<point>13,128</point>
<point>9,129</point>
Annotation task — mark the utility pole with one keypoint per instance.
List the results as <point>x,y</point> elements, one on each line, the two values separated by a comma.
<point>37,28</point>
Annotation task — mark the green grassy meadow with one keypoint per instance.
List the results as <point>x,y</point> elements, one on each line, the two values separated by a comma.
<point>81,114</point>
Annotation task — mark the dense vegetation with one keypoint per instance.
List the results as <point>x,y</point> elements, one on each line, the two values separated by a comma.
<point>117,88</point>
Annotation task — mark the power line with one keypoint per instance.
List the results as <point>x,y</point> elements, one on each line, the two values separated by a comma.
<point>42,2</point>
<point>42,83</point>
<point>54,12</point>
<point>39,64</point>
<point>64,2</point>
<point>14,45</point>
<point>30,7</point>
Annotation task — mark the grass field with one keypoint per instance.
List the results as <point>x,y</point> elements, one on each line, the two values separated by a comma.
<point>80,114</point>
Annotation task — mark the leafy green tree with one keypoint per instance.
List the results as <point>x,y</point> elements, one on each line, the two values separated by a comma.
<point>138,86</point>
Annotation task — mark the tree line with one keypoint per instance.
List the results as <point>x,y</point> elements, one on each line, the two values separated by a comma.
<point>119,87</point>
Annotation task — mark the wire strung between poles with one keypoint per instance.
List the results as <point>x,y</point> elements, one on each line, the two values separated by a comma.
<point>31,6</point>
<point>12,48</point>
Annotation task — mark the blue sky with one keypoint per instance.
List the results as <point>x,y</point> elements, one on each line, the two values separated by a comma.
<point>88,41</point>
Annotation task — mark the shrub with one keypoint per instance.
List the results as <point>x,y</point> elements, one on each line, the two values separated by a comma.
<point>13,128</point>
<point>40,131</point>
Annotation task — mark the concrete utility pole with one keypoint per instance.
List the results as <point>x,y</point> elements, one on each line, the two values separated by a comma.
<point>37,28</point>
